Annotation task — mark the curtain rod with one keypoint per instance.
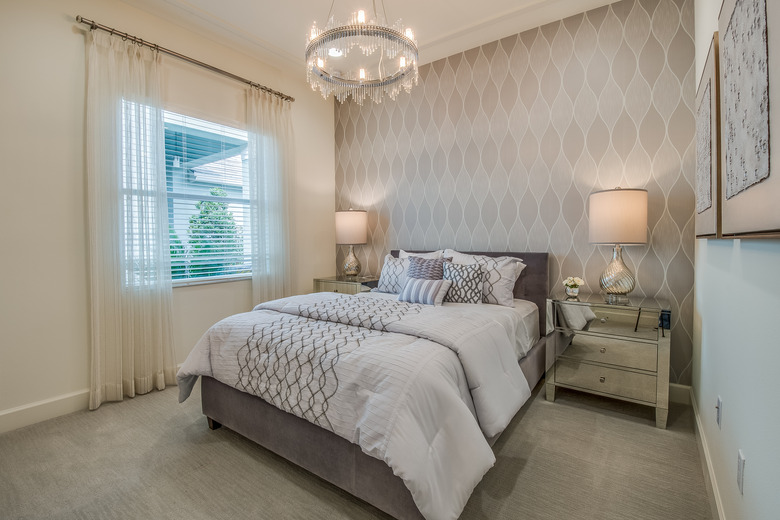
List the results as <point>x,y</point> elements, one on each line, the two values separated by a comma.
<point>94,25</point>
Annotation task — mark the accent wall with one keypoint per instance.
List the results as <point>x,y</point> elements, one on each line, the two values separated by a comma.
<point>498,148</point>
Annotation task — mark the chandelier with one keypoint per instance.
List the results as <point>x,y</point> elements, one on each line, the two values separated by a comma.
<point>364,58</point>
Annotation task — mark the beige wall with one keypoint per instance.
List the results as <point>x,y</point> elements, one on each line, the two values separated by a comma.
<point>499,147</point>
<point>736,352</point>
<point>44,310</point>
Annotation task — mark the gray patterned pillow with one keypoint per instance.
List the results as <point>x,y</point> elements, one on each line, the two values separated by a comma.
<point>426,292</point>
<point>466,283</point>
<point>425,269</point>
<point>501,273</point>
<point>393,276</point>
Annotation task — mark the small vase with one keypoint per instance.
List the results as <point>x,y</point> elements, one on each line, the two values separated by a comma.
<point>572,292</point>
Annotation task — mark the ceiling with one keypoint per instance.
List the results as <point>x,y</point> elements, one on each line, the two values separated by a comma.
<point>275,31</point>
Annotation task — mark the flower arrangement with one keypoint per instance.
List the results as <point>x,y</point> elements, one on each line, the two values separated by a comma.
<point>573,282</point>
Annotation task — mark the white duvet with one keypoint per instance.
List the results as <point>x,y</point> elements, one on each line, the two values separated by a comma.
<point>416,386</point>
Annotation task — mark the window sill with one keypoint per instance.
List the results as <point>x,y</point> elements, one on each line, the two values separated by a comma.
<point>211,280</point>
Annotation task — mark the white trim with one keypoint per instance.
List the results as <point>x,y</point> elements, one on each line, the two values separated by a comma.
<point>704,451</point>
<point>680,394</point>
<point>530,15</point>
<point>32,413</point>
<point>189,282</point>
<point>491,27</point>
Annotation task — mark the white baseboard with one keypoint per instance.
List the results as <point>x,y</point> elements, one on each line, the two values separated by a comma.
<point>709,470</point>
<point>32,413</point>
<point>27,414</point>
<point>680,394</point>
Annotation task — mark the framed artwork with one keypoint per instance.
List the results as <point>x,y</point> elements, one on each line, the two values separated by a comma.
<point>749,54</point>
<point>708,216</point>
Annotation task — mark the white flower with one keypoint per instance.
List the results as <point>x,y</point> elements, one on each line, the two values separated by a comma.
<point>573,282</point>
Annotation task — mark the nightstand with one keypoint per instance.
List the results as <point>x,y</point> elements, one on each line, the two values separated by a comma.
<point>618,351</point>
<point>345,284</point>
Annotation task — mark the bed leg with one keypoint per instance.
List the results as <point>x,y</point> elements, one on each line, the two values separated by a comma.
<point>213,425</point>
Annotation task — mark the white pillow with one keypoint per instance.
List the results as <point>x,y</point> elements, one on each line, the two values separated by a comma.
<point>501,273</point>
<point>433,255</point>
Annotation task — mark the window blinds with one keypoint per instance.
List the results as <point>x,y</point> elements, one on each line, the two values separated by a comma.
<point>208,198</point>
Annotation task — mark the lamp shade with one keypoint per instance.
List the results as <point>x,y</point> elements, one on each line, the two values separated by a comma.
<point>618,216</point>
<point>351,227</point>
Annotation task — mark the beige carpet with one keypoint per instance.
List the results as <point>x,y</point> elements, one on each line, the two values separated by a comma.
<point>581,457</point>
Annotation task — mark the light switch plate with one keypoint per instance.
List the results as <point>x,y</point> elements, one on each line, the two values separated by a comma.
<point>740,470</point>
<point>718,411</point>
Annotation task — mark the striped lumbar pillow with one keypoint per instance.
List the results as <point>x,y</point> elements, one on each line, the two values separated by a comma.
<point>427,292</point>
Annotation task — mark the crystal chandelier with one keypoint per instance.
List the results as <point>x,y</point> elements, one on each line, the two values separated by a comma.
<point>364,58</point>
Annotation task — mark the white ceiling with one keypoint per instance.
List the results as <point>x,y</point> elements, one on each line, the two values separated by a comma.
<point>275,31</point>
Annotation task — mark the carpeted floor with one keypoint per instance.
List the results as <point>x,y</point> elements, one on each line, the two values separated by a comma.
<point>582,457</point>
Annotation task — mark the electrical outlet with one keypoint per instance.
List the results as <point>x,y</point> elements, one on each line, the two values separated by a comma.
<point>740,470</point>
<point>718,411</point>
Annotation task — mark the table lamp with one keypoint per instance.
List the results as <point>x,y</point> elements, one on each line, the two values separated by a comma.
<point>351,230</point>
<point>617,217</point>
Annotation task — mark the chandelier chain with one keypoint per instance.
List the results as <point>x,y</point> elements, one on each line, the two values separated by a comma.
<point>333,2</point>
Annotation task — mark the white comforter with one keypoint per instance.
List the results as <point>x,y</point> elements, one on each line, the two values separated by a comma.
<point>403,381</point>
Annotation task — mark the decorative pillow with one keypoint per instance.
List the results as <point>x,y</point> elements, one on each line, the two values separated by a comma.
<point>427,292</point>
<point>466,283</point>
<point>425,269</point>
<point>501,273</point>
<point>433,255</point>
<point>393,276</point>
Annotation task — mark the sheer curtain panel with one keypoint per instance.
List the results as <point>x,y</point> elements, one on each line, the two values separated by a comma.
<point>270,165</point>
<point>130,277</point>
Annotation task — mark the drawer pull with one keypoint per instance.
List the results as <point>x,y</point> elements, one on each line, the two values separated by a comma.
<point>603,350</point>
<point>602,379</point>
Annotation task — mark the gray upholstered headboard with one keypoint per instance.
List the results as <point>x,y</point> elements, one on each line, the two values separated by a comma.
<point>533,283</point>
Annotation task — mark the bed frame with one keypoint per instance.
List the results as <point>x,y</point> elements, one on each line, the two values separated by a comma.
<point>335,459</point>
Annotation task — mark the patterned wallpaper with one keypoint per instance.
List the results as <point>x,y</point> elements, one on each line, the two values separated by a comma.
<point>499,147</point>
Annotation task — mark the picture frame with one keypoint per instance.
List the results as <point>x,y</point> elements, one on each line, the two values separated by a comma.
<point>708,161</point>
<point>750,193</point>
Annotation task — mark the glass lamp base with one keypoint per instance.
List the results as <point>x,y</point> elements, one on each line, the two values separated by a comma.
<point>351,264</point>
<point>617,280</point>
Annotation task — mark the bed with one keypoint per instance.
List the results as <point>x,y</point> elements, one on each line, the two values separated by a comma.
<point>333,457</point>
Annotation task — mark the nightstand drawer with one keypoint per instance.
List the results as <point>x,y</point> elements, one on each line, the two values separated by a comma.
<point>338,287</point>
<point>630,323</point>
<point>631,354</point>
<point>345,284</point>
<point>621,383</point>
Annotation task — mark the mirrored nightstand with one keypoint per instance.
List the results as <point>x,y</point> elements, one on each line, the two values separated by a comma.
<point>345,284</point>
<point>618,351</point>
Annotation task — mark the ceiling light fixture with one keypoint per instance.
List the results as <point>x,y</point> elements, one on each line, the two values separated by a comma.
<point>363,58</point>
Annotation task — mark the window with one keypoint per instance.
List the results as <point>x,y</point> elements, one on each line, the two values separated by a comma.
<point>141,206</point>
<point>208,198</point>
